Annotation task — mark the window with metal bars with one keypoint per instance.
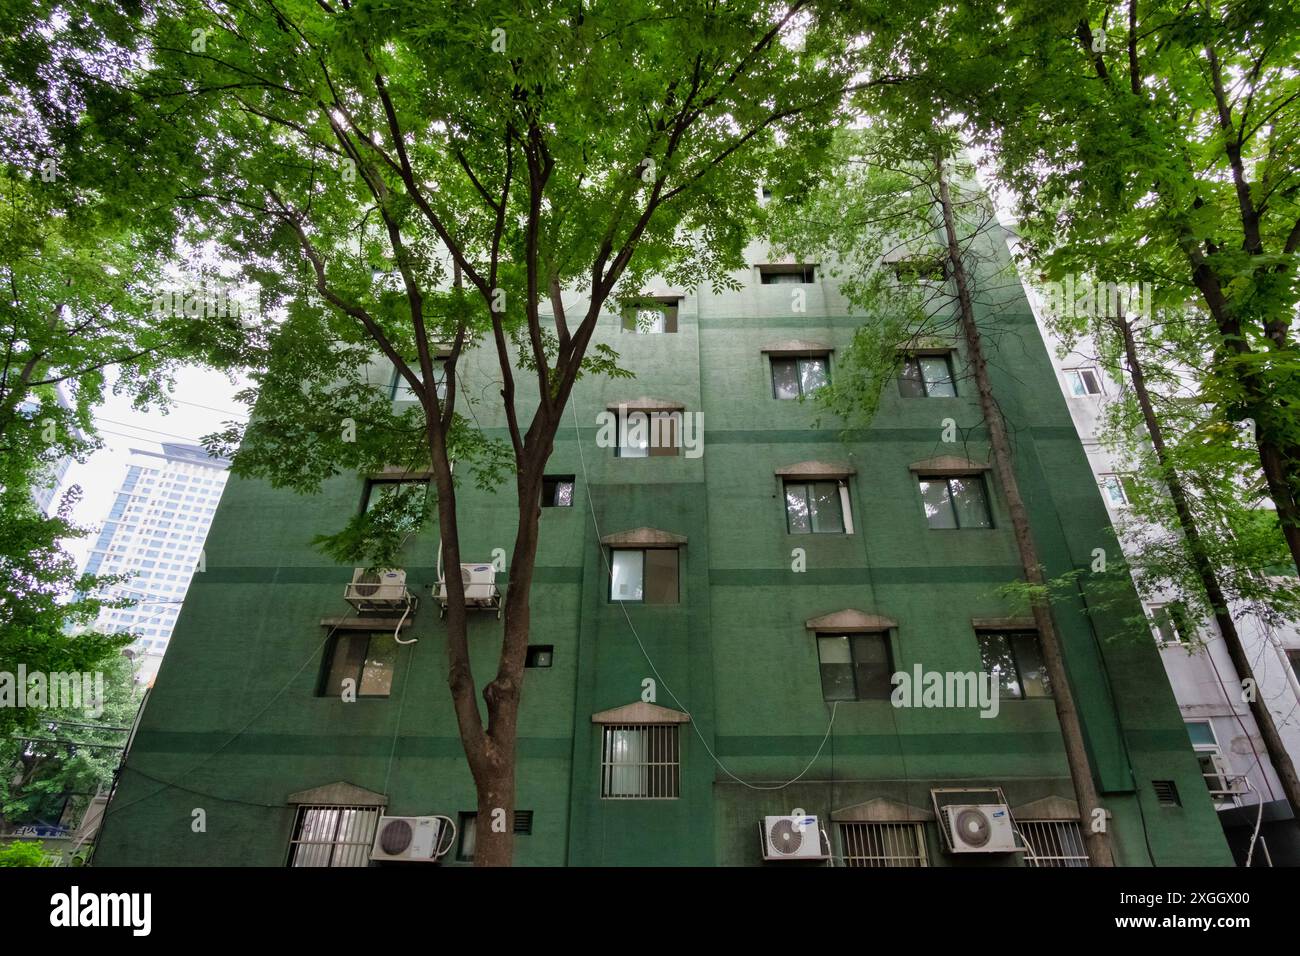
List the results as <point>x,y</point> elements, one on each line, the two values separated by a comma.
<point>640,762</point>
<point>883,844</point>
<point>333,836</point>
<point>1053,842</point>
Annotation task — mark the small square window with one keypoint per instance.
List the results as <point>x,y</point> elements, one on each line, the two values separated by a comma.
<point>1294,658</point>
<point>365,659</point>
<point>1171,623</point>
<point>855,666</point>
<point>1083,381</point>
<point>333,836</point>
<point>557,491</point>
<point>1017,660</point>
<point>815,507</point>
<point>927,376</point>
<point>787,274</point>
<point>409,498</point>
<point>956,502</point>
<point>650,317</point>
<point>799,377</point>
<point>539,655</point>
<point>644,575</point>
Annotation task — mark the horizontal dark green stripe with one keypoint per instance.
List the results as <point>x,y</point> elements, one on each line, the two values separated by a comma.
<point>784,577</point>
<point>351,745</point>
<point>417,577</point>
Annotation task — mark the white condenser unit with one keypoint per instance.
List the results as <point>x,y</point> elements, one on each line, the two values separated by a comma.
<point>480,583</point>
<point>411,839</point>
<point>981,828</point>
<point>791,838</point>
<point>379,590</point>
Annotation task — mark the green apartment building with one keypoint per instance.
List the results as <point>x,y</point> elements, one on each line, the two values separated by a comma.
<point>692,612</point>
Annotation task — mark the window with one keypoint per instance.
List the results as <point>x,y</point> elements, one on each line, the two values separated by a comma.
<point>333,836</point>
<point>465,842</point>
<point>640,762</point>
<point>399,389</point>
<point>956,502</point>
<point>410,497</point>
<point>557,491</point>
<point>539,655</point>
<point>1118,489</point>
<point>799,377</point>
<point>648,435</point>
<point>650,317</point>
<point>1083,381</point>
<point>1017,660</point>
<point>644,575</point>
<point>1294,658</point>
<point>364,658</point>
<point>927,376</point>
<point>883,844</point>
<point>787,275</point>
<point>855,666</point>
<point>1171,623</point>
<point>816,507</point>
<point>1055,843</point>
<point>918,268</point>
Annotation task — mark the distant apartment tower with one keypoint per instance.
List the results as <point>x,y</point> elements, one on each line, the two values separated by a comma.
<point>154,532</point>
<point>45,492</point>
<point>1220,728</point>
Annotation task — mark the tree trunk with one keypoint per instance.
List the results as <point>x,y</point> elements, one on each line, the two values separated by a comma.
<point>1097,841</point>
<point>1277,753</point>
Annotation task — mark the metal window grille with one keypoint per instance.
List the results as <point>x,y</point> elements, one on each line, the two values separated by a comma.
<point>333,836</point>
<point>883,844</point>
<point>1054,842</point>
<point>640,762</point>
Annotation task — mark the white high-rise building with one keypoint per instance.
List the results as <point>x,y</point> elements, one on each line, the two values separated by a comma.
<point>1220,727</point>
<point>155,533</point>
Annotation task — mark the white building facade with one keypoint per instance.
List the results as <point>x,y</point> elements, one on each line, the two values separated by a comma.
<point>1205,683</point>
<point>154,533</point>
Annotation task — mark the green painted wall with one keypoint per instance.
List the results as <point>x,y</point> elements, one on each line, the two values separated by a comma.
<point>233,725</point>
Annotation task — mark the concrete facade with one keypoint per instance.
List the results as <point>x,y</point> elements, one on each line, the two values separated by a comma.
<point>235,725</point>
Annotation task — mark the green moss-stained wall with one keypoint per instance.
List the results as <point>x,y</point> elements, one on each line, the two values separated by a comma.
<point>233,725</point>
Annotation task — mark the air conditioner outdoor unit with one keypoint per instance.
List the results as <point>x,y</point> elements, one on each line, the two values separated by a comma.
<point>981,828</point>
<point>480,583</point>
<point>413,839</point>
<point>791,838</point>
<point>380,590</point>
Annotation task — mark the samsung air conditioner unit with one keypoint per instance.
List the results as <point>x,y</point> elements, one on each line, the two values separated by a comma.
<point>981,828</point>
<point>411,839</point>
<point>379,590</point>
<point>792,838</point>
<point>480,584</point>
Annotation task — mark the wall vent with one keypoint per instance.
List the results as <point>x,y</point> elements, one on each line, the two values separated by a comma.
<point>1166,793</point>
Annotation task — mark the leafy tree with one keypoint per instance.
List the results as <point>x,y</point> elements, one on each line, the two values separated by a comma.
<point>54,772</point>
<point>422,179</point>
<point>26,853</point>
<point>80,271</point>
<point>926,217</point>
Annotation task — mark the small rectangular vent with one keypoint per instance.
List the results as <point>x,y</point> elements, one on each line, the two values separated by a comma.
<point>523,821</point>
<point>1166,793</point>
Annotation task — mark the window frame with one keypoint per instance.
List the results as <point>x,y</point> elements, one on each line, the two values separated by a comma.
<point>1175,614</point>
<point>551,500</point>
<point>1080,371</point>
<point>1006,634</point>
<point>670,308</point>
<point>659,779</point>
<point>914,359</point>
<point>333,645</point>
<point>397,384</point>
<point>642,550</point>
<point>846,504</point>
<point>823,357</point>
<point>537,651</point>
<point>805,271</point>
<point>675,420</point>
<point>885,637</point>
<point>363,847</point>
<point>924,478</point>
<point>1052,831</point>
<point>858,838</point>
